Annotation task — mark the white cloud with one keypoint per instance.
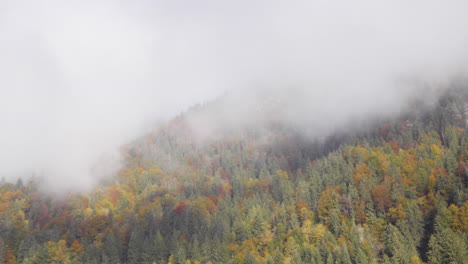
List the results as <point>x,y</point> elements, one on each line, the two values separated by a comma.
<point>79,78</point>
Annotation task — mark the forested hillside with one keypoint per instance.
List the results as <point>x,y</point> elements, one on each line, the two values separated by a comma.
<point>395,192</point>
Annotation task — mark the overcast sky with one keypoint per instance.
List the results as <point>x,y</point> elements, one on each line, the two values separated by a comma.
<point>80,78</point>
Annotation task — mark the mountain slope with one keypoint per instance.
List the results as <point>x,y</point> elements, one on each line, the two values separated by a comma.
<point>394,191</point>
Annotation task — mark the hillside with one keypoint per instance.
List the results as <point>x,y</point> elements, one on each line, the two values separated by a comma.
<point>394,191</point>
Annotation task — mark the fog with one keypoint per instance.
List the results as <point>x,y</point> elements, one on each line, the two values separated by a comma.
<point>80,78</point>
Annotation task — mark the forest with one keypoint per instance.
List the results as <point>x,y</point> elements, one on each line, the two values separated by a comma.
<point>394,192</point>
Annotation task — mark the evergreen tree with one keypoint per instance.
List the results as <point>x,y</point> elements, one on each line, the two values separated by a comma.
<point>135,245</point>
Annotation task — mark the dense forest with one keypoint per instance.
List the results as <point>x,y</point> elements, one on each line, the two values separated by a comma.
<point>394,192</point>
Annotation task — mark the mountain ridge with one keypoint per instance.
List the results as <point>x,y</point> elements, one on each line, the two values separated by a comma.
<point>393,192</point>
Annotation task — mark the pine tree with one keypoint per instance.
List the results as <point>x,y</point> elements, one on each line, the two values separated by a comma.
<point>112,248</point>
<point>447,246</point>
<point>249,259</point>
<point>19,183</point>
<point>135,245</point>
<point>180,255</point>
<point>160,251</point>
<point>3,250</point>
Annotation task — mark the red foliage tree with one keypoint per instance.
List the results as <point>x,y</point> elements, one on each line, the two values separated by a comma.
<point>381,197</point>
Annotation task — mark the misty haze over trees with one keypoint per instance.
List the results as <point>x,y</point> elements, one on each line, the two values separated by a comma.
<point>264,132</point>
<point>394,192</point>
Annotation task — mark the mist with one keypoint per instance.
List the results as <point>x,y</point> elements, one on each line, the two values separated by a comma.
<point>78,79</point>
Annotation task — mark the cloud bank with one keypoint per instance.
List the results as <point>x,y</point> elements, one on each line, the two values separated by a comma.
<point>80,78</point>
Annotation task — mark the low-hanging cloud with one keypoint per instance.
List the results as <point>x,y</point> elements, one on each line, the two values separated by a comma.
<point>80,78</point>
